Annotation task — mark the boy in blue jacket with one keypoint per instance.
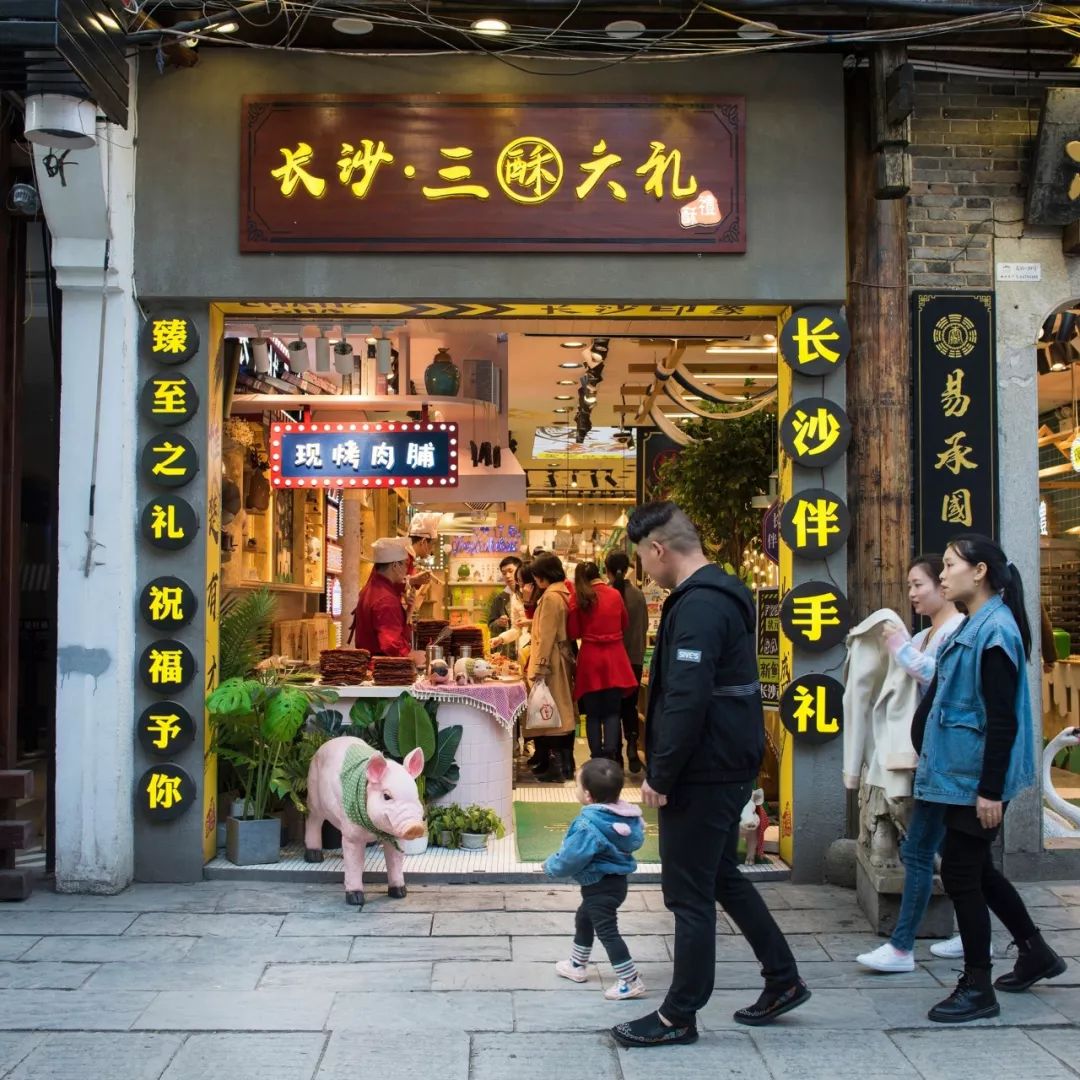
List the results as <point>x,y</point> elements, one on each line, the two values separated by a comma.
<point>596,853</point>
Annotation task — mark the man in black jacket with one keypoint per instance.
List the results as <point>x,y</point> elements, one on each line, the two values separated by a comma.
<point>705,739</point>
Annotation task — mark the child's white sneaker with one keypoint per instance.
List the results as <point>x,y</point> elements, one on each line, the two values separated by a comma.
<point>625,989</point>
<point>574,972</point>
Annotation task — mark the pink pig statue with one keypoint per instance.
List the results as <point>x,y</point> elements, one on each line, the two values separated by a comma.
<point>368,797</point>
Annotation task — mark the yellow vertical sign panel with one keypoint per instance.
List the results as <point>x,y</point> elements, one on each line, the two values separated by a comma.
<point>787,743</point>
<point>212,608</point>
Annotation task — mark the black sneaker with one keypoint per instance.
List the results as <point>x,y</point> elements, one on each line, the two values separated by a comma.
<point>652,1031</point>
<point>773,1003</point>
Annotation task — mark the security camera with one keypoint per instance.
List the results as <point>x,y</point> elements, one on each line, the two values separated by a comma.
<point>23,199</point>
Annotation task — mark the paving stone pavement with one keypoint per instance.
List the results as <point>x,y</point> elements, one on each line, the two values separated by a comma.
<point>248,980</point>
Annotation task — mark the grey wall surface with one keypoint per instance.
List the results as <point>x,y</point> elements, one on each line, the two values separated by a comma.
<point>188,177</point>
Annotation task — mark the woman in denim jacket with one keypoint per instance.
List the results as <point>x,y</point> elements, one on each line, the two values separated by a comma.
<point>974,733</point>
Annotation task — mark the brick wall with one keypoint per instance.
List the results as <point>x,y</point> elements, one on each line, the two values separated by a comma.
<point>971,141</point>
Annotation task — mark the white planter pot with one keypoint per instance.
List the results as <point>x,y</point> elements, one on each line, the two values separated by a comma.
<point>414,847</point>
<point>474,841</point>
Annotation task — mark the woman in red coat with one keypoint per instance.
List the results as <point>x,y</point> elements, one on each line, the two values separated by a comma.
<point>604,676</point>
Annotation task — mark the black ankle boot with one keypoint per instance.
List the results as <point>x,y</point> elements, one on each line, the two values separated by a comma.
<point>632,759</point>
<point>1036,961</point>
<point>973,999</point>
<point>554,773</point>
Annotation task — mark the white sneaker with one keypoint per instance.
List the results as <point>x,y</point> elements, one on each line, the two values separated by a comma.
<point>953,949</point>
<point>887,959</point>
<point>569,970</point>
<point>625,989</point>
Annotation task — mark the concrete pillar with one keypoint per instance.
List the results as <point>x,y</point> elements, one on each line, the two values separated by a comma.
<point>96,580</point>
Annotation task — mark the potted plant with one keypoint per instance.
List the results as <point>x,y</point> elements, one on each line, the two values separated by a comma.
<point>446,824</point>
<point>255,722</point>
<point>480,823</point>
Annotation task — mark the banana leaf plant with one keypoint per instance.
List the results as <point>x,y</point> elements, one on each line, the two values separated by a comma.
<point>400,726</point>
<point>255,722</point>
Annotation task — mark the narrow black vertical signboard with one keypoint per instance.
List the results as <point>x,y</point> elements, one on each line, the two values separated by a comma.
<point>955,422</point>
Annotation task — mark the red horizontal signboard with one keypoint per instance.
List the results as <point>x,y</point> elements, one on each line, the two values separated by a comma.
<point>323,173</point>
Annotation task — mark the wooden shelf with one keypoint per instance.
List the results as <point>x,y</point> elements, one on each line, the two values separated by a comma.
<point>279,586</point>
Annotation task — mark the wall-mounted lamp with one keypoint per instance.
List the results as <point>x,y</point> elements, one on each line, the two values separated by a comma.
<point>298,356</point>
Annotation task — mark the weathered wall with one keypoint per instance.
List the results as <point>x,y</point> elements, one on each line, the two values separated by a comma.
<point>189,125</point>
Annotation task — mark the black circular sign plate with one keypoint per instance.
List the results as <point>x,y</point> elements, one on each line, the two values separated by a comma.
<point>815,340</point>
<point>815,616</point>
<point>169,523</point>
<point>815,523</point>
<point>169,460</point>
<point>169,398</point>
<point>165,729</point>
<point>815,432</point>
<point>166,665</point>
<point>165,792</point>
<point>812,708</point>
<point>167,603</point>
<point>169,339</point>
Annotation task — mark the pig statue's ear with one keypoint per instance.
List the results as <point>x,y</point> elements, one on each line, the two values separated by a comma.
<point>376,768</point>
<point>414,762</point>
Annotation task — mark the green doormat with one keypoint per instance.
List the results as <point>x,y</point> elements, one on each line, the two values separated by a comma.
<point>539,829</point>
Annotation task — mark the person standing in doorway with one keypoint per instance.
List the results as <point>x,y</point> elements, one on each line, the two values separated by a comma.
<point>603,675</point>
<point>617,565</point>
<point>705,738</point>
<point>499,613</point>
<point>974,732</point>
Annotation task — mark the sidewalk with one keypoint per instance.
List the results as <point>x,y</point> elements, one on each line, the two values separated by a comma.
<point>258,981</point>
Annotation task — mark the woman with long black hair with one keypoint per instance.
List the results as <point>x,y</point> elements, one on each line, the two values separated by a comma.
<point>974,732</point>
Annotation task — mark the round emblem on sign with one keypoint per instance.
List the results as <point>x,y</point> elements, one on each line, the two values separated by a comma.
<point>165,791</point>
<point>815,340</point>
<point>169,460</point>
<point>815,523</point>
<point>166,665</point>
<point>529,170</point>
<point>165,729</point>
<point>815,432</point>
<point>168,603</point>
<point>812,708</point>
<point>169,399</point>
<point>169,339</point>
<point>955,336</point>
<point>815,615</point>
<point>169,523</point>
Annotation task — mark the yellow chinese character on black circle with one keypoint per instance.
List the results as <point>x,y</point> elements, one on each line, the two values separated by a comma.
<point>811,343</point>
<point>170,335</point>
<point>163,523</point>
<point>165,727</point>
<point>811,711</point>
<point>529,170</point>
<point>815,433</point>
<point>164,791</point>
<point>170,397</point>
<point>166,604</point>
<point>812,614</point>
<point>166,667</point>
<point>815,520</point>
<point>171,454</point>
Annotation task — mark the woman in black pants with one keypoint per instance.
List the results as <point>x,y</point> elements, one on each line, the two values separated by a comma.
<point>975,734</point>
<point>617,564</point>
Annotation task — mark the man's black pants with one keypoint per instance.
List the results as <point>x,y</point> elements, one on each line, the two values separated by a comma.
<point>699,837</point>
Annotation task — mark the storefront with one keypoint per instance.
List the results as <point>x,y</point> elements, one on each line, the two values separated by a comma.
<point>201,261</point>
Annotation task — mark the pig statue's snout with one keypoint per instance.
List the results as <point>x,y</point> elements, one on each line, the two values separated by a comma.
<point>414,831</point>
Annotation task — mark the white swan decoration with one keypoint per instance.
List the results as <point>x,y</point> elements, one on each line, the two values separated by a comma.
<point>1061,818</point>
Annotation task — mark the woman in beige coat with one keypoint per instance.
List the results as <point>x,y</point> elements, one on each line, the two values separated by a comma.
<point>551,659</point>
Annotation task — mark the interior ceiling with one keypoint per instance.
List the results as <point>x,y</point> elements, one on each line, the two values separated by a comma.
<point>1002,35</point>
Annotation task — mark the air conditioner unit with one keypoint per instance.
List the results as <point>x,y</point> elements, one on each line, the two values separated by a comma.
<point>483,381</point>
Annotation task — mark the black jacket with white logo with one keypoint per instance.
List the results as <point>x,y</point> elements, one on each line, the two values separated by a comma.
<point>705,723</point>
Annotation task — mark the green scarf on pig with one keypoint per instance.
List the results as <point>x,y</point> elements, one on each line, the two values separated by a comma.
<point>354,782</point>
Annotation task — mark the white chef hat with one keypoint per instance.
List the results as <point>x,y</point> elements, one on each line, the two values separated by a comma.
<point>389,549</point>
<point>425,525</point>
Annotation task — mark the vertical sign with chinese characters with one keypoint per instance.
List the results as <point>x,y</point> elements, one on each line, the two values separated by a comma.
<point>956,471</point>
<point>768,645</point>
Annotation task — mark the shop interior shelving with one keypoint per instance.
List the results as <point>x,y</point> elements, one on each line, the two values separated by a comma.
<point>326,406</point>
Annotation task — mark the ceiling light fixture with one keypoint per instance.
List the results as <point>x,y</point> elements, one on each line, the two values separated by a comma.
<point>226,28</point>
<point>572,345</point>
<point>353,25</point>
<point>573,480</point>
<point>565,382</point>
<point>594,478</point>
<point>562,410</point>
<point>610,480</point>
<point>570,365</point>
<point>491,27</point>
<point>624,29</point>
<point>551,478</point>
<point>757,31</point>
<point>108,21</point>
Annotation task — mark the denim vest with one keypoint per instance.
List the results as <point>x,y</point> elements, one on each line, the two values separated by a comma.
<point>952,751</point>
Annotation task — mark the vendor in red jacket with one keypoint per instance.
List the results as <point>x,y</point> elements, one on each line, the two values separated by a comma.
<point>604,676</point>
<point>379,622</point>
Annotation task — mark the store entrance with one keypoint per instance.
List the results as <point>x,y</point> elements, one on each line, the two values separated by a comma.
<point>554,429</point>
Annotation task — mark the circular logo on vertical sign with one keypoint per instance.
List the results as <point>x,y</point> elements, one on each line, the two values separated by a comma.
<point>169,399</point>
<point>815,523</point>
<point>169,522</point>
<point>815,340</point>
<point>169,460</point>
<point>815,615</point>
<point>166,665</point>
<point>812,708</point>
<point>955,336</point>
<point>815,432</point>
<point>168,603</point>
<point>165,791</point>
<point>169,339</point>
<point>165,728</point>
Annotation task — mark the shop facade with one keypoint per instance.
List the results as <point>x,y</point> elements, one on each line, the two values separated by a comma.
<point>186,264</point>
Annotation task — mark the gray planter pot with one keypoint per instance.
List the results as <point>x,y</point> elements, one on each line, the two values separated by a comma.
<point>253,843</point>
<point>474,841</point>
